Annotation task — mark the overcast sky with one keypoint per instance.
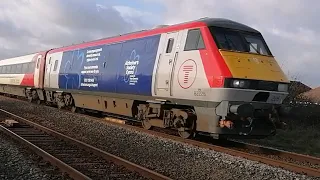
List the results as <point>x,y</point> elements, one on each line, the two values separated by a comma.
<point>290,27</point>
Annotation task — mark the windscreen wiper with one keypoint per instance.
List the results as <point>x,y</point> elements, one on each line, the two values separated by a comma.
<point>253,47</point>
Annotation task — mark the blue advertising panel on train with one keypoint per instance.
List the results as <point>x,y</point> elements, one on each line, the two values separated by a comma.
<point>124,67</point>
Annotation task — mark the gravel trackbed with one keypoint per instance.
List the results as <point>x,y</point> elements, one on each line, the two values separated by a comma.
<point>18,163</point>
<point>173,159</point>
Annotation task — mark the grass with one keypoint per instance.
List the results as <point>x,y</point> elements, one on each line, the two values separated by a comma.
<point>303,133</point>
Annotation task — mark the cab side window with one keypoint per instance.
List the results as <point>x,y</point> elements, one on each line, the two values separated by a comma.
<point>170,45</point>
<point>194,40</point>
<point>55,65</point>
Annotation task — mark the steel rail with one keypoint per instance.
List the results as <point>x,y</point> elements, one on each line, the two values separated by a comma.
<point>73,173</point>
<point>269,161</point>
<point>280,153</point>
<point>285,165</point>
<point>107,156</point>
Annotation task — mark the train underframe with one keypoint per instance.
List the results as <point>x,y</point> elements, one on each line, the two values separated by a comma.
<point>227,119</point>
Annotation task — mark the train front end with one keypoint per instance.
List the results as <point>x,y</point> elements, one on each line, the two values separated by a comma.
<point>250,95</point>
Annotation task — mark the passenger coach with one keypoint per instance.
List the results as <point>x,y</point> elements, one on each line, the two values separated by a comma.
<point>23,76</point>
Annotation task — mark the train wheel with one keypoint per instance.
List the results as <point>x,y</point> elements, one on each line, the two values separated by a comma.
<point>38,101</point>
<point>74,109</point>
<point>146,124</point>
<point>185,134</point>
<point>59,105</point>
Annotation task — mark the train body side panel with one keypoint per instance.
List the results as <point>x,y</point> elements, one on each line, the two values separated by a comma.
<point>125,67</point>
<point>180,74</point>
<point>18,71</point>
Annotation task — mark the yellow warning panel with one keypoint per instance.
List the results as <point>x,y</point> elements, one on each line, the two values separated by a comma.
<point>251,66</point>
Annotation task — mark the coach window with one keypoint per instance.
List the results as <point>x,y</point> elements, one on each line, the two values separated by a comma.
<point>11,69</point>
<point>24,68</point>
<point>8,69</point>
<point>31,67</point>
<point>1,68</point>
<point>55,65</point>
<point>170,45</point>
<point>194,40</point>
<point>14,69</point>
<point>19,68</point>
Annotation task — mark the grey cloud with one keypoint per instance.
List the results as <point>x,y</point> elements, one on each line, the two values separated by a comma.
<point>30,26</point>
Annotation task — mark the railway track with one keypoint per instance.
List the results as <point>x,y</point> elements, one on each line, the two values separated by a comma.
<point>295,158</point>
<point>294,162</point>
<point>75,158</point>
<point>298,163</point>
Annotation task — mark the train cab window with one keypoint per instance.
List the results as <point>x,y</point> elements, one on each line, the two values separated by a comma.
<point>1,67</point>
<point>229,40</point>
<point>201,42</point>
<point>255,45</point>
<point>194,40</point>
<point>55,65</point>
<point>235,40</point>
<point>170,45</point>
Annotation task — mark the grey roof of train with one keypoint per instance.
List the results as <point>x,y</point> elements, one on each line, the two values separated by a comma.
<point>226,23</point>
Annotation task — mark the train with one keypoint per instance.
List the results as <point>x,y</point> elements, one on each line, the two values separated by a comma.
<point>210,76</point>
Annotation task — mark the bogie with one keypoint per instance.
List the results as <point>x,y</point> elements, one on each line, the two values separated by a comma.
<point>167,116</point>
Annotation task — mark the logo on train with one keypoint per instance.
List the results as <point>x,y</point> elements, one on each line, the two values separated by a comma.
<point>131,68</point>
<point>187,73</point>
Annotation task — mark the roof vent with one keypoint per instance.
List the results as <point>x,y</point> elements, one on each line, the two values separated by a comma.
<point>160,26</point>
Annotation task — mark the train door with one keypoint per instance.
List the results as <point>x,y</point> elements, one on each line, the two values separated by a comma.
<point>37,72</point>
<point>166,65</point>
<point>47,72</point>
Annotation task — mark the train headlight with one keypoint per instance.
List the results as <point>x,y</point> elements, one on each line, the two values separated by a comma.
<point>283,87</point>
<point>240,84</point>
